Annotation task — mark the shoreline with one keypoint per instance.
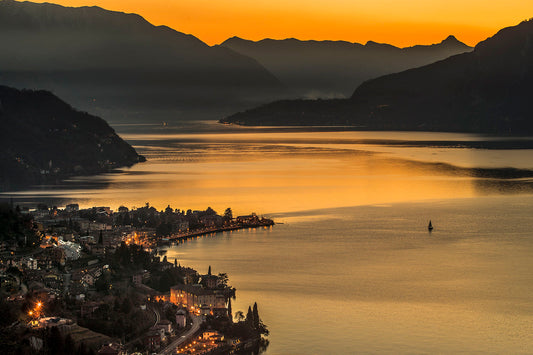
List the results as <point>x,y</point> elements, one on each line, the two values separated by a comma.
<point>194,234</point>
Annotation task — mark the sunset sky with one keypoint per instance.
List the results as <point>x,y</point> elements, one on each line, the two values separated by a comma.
<point>402,23</point>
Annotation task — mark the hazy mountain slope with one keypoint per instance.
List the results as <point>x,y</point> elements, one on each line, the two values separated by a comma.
<point>487,90</point>
<point>90,56</point>
<point>43,138</point>
<point>334,68</point>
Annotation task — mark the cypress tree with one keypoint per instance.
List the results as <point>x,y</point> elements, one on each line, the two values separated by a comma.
<point>250,317</point>
<point>209,271</point>
<point>229,311</point>
<point>256,316</point>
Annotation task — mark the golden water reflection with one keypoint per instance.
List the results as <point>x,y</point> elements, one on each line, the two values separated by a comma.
<point>273,172</point>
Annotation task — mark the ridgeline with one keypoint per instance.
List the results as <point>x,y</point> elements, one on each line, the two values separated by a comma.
<point>43,139</point>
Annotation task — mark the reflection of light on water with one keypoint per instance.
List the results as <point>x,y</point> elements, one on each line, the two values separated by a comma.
<point>280,172</point>
<point>390,287</point>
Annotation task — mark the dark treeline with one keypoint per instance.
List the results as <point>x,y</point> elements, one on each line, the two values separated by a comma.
<point>16,228</point>
<point>246,327</point>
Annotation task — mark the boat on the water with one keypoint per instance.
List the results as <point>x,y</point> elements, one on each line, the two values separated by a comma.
<point>430,226</point>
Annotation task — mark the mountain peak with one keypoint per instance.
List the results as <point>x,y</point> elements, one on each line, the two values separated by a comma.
<point>452,40</point>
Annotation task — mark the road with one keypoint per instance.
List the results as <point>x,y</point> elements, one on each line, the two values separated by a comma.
<point>196,322</point>
<point>157,318</point>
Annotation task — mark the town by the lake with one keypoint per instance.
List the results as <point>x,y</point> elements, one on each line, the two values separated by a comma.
<point>97,281</point>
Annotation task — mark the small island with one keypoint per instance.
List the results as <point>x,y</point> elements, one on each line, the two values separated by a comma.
<point>96,281</point>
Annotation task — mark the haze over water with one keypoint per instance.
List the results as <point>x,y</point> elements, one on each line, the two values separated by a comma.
<point>284,170</point>
<point>352,269</point>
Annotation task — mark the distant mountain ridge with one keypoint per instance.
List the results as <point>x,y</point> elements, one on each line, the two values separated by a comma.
<point>334,68</point>
<point>42,139</point>
<point>98,58</point>
<point>487,90</point>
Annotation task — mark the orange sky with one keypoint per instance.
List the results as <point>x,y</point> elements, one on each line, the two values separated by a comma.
<point>402,23</point>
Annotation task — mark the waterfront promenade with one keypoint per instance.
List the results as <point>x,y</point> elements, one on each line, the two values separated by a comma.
<point>204,231</point>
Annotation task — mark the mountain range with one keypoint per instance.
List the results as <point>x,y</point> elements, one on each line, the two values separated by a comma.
<point>101,61</point>
<point>487,90</point>
<point>324,69</point>
<point>94,58</point>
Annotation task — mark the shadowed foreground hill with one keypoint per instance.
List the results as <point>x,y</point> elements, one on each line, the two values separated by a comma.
<point>92,57</point>
<point>487,90</point>
<point>42,138</point>
<point>334,68</point>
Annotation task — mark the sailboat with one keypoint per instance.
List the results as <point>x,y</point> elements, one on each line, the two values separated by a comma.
<point>430,227</point>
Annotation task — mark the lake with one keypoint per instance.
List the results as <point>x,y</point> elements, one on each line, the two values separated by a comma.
<point>353,268</point>
<point>372,279</point>
<point>291,169</point>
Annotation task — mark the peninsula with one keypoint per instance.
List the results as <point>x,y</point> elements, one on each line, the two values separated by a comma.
<point>43,139</point>
<point>93,280</point>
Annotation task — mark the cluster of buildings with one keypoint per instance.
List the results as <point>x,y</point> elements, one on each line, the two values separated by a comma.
<point>206,343</point>
<point>71,257</point>
<point>210,296</point>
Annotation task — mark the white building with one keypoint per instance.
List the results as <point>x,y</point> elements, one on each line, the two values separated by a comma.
<point>72,250</point>
<point>181,318</point>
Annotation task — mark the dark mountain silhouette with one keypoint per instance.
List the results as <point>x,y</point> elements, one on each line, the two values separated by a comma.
<point>42,139</point>
<point>92,57</point>
<point>334,68</point>
<point>487,90</point>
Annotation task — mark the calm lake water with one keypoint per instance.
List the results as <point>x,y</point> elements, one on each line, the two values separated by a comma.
<point>372,279</point>
<point>352,269</point>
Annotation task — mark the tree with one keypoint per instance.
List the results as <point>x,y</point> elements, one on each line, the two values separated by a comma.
<point>250,317</point>
<point>103,283</point>
<point>228,214</point>
<point>223,279</point>
<point>229,310</point>
<point>127,219</point>
<point>239,316</point>
<point>209,271</point>
<point>256,317</point>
